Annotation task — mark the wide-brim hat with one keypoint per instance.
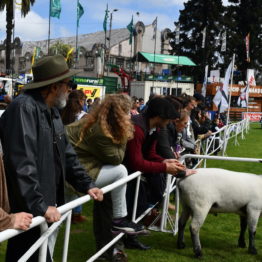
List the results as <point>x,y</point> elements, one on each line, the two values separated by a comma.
<point>49,70</point>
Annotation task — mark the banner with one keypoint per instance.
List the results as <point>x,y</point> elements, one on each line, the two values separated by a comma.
<point>244,96</point>
<point>214,76</point>
<point>80,12</point>
<point>105,19</point>
<point>224,42</point>
<point>204,87</point>
<point>204,37</point>
<point>70,51</point>
<point>154,25</point>
<point>221,97</point>
<point>247,46</point>
<point>177,30</point>
<point>253,116</point>
<point>130,28</point>
<point>55,8</point>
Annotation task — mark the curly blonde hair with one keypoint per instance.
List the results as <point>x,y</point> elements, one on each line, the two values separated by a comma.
<point>113,117</point>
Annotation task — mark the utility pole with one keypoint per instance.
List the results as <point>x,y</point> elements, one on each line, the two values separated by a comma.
<point>109,38</point>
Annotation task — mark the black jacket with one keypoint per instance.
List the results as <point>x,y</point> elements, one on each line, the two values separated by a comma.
<point>27,136</point>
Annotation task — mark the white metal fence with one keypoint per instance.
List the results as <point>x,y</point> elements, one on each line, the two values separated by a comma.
<point>207,148</point>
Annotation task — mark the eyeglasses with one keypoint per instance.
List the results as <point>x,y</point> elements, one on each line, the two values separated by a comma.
<point>67,83</point>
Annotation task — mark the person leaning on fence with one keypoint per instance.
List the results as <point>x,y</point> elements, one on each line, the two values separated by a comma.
<point>37,155</point>
<point>141,156</point>
<point>20,220</point>
<point>100,141</point>
<point>72,112</point>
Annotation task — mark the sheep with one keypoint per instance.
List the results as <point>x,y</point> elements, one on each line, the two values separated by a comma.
<point>214,190</point>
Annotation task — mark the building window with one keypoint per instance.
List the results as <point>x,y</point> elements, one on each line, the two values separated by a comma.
<point>120,62</point>
<point>90,63</point>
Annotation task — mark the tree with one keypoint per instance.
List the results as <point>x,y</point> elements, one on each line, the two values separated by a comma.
<point>8,5</point>
<point>242,18</point>
<point>196,17</point>
<point>59,48</point>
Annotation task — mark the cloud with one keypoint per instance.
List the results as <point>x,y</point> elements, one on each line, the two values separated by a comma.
<point>32,27</point>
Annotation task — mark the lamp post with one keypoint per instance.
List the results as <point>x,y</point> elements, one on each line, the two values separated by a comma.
<point>109,38</point>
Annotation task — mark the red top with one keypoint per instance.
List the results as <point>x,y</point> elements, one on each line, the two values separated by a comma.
<point>135,159</point>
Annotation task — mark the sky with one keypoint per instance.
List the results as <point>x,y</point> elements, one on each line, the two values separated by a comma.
<point>35,25</point>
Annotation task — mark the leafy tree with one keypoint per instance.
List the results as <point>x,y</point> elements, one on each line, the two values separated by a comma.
<point>241,18</point>
<point>8,5</point>
<point>194,18</point>
<point>60,48</point>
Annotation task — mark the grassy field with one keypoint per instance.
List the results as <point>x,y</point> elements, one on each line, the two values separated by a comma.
<point>218,235</point>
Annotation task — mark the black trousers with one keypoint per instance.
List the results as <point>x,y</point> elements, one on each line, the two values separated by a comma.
<point>102,224</point>
<point>17,246</point>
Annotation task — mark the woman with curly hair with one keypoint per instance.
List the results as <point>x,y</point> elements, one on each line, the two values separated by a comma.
<point>100,141</point>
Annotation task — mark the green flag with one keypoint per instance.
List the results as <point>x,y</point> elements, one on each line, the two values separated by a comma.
<point>55,8</point>
<point>80,12</point>
<point>130,28</point>
<point>105,19</point>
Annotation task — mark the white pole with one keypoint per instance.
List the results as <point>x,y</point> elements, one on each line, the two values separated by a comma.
<point>230,91</point>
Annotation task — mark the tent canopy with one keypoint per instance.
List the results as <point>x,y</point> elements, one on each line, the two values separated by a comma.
<point>165,59</point>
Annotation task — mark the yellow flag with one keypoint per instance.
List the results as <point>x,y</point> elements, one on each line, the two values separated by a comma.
<point>33,59</point>
<point>69,53</point>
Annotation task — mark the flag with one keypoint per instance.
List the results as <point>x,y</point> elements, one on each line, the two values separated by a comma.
<point>70,51</point>
<point>247,47</point>
<point>130,28</point>
<point>177,38</point>
<point>154,25</point>
<point>80,12</point>
<point>242,99</point>
<point>221,97</point>
<point>55,8</point>
<point>224,42</point>
<point>218,38</point>
<point>251,77</point>
<point>105,18</point>
<point>204,87</point>
<point>204,37</point>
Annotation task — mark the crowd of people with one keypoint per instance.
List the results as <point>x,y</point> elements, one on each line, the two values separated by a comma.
<point>55,144</point>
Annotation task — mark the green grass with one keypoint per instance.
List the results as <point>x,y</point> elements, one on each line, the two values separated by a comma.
<point>218,235</point>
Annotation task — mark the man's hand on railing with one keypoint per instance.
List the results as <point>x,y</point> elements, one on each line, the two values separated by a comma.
<point>96,193</point>
<point>52,214</point>
<point>22,220</point>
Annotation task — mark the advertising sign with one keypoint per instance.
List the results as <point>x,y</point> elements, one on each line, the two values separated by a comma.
<point>92,91</point>
<point>253,116</point>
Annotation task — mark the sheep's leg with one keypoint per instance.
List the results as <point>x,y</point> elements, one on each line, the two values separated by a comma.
<point>181,227</point>
<point>198,219</point>
<point>243,227</point>
<point>252,220</point>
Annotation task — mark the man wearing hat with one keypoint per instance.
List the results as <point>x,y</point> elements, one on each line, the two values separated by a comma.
<point>37,155</point>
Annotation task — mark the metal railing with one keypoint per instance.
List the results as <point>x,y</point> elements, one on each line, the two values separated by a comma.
<point>226,133</point>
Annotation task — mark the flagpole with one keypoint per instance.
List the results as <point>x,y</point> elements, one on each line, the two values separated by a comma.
<point>77,21</point>
<point>49,23</point>
<point>154,68</point>
<point>230,91</point>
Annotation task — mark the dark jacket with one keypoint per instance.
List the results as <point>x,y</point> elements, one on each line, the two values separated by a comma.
<point>28,138</point>
<point>167,139</point>
<point>141,150</point>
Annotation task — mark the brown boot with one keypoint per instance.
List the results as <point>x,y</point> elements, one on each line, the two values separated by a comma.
<point>78,218</point>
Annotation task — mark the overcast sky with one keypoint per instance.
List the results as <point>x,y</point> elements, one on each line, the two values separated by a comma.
<point>35,25</point>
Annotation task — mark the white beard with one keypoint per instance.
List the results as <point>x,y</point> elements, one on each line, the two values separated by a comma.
<point>61,100</point>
